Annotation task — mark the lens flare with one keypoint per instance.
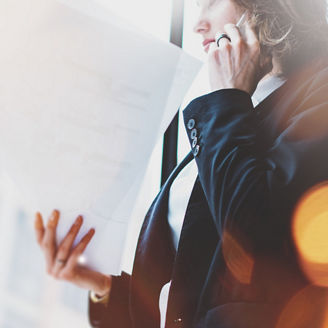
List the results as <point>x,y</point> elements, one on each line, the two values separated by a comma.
<point>238,261</point>
<point>82,260</point>
<point>310,233</point>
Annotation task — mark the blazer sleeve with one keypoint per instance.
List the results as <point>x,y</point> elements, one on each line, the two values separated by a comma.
<point>247,173</point>
<point>116,312</point>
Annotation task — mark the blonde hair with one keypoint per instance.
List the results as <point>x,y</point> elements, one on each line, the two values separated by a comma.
<point>294,31</point>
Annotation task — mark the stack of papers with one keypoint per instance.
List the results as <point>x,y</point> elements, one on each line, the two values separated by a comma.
<point>83,100</point>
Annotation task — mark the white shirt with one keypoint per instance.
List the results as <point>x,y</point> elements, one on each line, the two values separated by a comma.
<point>181,188</point>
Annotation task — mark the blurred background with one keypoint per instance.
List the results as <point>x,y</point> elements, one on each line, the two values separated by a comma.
<point>28,297</point>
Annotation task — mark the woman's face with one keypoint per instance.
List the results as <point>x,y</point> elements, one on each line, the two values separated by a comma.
<point>214,14</point>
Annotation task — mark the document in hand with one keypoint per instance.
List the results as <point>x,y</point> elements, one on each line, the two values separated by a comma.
<point>83,99</point>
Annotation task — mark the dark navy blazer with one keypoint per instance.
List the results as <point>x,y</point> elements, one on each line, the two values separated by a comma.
<point>254,165</point>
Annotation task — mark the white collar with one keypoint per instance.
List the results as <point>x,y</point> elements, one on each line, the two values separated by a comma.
<point>265,87</point>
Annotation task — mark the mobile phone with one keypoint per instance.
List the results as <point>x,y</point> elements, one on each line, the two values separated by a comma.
<point>241,19</point>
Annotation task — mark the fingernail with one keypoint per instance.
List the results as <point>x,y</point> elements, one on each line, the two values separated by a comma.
<point>78,220</point>
<point>38,222</point>
<point>54,217</point>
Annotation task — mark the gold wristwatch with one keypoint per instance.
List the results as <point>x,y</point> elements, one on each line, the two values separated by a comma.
<point>96,299</point>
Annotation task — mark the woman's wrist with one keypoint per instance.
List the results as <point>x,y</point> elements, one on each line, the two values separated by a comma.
<point>102,295</point>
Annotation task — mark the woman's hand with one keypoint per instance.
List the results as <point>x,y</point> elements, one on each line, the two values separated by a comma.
<point>62,260</point>
<point>236,64</point>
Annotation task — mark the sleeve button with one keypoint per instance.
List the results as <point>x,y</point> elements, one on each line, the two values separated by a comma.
<point>196,150</point>
<point>193,134</point>
<point>191,124</point>
<point>194,142</point>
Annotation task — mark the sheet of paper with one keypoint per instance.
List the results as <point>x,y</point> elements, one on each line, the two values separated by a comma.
<point>199,87</point>
<point>82,102</point>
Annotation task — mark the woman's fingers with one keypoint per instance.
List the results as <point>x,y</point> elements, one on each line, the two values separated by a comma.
<point>64,249</point>
<point>212,48</point>
<point>49,240</point>
<point>39,228</point>
<point>68,269</point>
<point>235,64</point>
<point>62,261</point>
<point>78,250</point>
<point>233,31</point>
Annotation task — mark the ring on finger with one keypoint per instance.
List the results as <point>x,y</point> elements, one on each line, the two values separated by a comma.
<point>61,261</point>
<point>220,36</point>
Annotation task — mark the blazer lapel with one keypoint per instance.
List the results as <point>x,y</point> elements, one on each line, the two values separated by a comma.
<point>154,257</point>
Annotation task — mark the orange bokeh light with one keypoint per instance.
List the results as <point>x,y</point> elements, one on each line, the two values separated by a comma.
<point>310,232</point>
<point>307,308</point>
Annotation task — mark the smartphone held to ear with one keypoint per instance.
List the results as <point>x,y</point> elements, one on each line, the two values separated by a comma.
<point>242,19</point>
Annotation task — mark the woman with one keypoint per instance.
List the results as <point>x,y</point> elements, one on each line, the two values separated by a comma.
<point>221,254</point>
